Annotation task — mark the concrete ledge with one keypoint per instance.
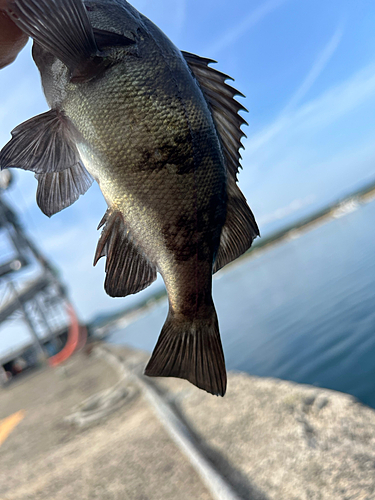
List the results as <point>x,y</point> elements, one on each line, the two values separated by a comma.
<point>268,439</point>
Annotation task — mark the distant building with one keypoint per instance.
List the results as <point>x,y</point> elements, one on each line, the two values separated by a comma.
<point>32,298</point>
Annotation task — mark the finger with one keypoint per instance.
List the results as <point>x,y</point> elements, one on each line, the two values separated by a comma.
<point>12,39</point>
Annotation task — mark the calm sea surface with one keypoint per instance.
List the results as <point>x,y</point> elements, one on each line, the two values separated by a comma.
<point>302,310</point>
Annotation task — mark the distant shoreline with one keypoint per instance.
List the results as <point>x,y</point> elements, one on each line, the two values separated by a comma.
<point>337,209</point>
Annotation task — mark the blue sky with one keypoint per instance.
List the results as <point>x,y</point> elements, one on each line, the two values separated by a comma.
<point>308,71</point>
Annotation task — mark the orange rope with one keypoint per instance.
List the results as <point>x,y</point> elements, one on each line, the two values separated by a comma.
<point>72,341</point>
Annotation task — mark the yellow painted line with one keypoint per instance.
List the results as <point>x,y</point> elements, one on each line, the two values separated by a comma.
<point>8,424</point>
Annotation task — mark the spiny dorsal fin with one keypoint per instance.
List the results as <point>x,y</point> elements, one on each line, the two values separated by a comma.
<point>240,228</point>
<point>58,190</point>
<point>127,268</point>
<point>224,107</point>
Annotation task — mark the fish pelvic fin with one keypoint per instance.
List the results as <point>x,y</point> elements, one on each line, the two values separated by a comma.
<point>192,350</point>
<point>58,190</point>
<point>45,145</point>
<point>128,270</point>
<point>41,144</point>
<point>63,28</point>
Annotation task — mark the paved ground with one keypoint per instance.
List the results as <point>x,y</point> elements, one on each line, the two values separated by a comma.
<point>128,455</point>
<point>270,439</point>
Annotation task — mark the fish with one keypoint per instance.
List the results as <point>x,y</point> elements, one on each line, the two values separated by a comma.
<point>160,131</point>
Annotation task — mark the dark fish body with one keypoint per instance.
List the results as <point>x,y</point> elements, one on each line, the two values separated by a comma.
<point>159,131</point>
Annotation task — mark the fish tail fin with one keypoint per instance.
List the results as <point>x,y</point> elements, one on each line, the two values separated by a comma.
<point>192,350</point>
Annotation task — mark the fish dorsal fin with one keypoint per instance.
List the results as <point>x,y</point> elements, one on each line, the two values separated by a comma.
<point>240,228</point>
<point>224,108</point>
<point>127,269</point>
<point>58,190</point>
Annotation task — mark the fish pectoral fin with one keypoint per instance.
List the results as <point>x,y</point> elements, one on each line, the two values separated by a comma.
<point>105,39</point>
<point>58,190</point>
<point>220,98</point>
<point>128,270</point>
<point>239,230</point>
<point>190,349</point>
<point>42,144</point>
<point>63,28</point>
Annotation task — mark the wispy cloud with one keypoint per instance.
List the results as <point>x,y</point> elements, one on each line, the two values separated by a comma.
<point>317,68</point>
<point>253,18</point>
<point>169,15</point>
<point>180,19</point>
<point>281,213</point>
<point>286,115</point>
<point>320,112</point>
<point>324,147</point>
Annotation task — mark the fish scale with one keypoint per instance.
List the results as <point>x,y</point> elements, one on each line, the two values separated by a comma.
<point>142,112</point>
<point>159,131</point>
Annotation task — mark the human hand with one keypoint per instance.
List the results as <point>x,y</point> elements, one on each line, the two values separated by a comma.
<point>12,39</point>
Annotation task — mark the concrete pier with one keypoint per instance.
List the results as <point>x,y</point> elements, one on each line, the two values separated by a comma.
<point>89,430</point>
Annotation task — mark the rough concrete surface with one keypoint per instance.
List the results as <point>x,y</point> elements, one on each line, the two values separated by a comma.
<point>286,440</point>
<point>270,439</point>
<point>128,455</point>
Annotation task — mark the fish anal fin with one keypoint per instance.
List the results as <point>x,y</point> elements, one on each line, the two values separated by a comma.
<point>220,98</point>
<point>58,190</point>
<point>41,144</point>
<point>128,270</point>
<point>240,228</point>
<point>190,349</point>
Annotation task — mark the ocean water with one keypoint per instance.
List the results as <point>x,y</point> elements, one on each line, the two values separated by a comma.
<point>301,310</point>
